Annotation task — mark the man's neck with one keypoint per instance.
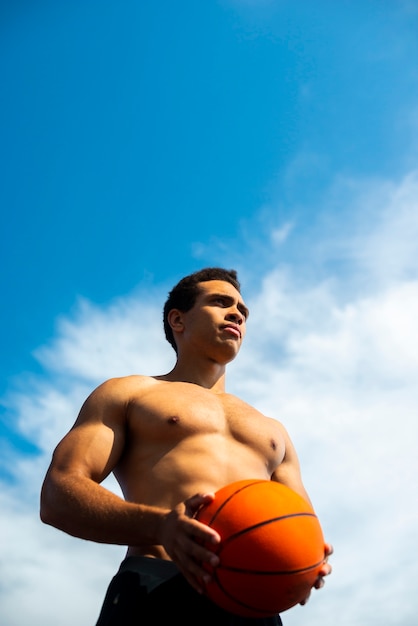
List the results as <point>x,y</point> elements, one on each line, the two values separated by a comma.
<point>212,376</point>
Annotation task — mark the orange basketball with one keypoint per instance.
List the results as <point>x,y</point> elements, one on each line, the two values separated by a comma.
<point>271,548</point>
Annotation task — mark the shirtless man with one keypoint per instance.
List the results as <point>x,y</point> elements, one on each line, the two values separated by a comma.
<point>171,441</point>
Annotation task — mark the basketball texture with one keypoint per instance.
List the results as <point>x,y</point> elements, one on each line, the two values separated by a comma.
<point>271,548</point>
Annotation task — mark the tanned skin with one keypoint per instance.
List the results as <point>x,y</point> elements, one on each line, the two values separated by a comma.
<point>171,441</point>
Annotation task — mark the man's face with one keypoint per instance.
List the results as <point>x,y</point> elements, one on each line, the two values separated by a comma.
<point>216,324</point>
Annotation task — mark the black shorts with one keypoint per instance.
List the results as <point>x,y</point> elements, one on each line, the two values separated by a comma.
<point>152,592</point>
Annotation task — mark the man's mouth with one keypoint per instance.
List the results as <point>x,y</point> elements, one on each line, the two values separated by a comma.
<point>233,329</point>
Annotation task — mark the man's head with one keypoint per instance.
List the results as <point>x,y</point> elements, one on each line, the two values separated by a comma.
<point>183,295</point>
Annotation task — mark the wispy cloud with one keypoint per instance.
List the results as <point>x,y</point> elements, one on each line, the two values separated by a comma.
<point>339,367</point>
<point>331,351</point>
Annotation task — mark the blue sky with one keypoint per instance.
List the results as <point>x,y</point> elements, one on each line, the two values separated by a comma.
<point>141,141</point>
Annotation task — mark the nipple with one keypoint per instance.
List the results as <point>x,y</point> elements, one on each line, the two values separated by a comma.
<point>173,419</point>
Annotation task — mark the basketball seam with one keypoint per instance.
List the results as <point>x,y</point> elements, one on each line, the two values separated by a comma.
<point>221,506</point>
<point>248,571</point>
<point>264,523</point>
<point>241,570</point>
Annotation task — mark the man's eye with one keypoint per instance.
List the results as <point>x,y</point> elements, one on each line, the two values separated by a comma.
<point>222,302</point>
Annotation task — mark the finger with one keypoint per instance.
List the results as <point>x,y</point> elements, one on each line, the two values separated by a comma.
<point>196,541</point>
<point>203,542</point>
<point>319,583</point>
<point>196,563</point>
<point>196,502</point>
<point>305,600</point>
<point>195,574</point>
<point>328,549</point>
<point>203,534</point>
<point>325,570</point>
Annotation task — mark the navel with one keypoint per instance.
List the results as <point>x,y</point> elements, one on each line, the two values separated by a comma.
<point>273,444</point>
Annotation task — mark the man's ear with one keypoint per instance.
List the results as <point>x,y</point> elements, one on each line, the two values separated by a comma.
<point>175,319</point>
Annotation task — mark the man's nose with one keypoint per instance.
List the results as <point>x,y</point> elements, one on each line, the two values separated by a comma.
<point>236,316</point>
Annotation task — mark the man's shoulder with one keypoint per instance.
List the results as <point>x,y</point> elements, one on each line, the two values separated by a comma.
<point>132,381</point>
<point>123,388</point>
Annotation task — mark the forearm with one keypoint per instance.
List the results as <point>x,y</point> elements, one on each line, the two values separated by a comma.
<point>80,507</point>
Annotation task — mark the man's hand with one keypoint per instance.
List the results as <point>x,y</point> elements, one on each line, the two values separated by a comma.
<point>184,539</point>
<point>325,570</point>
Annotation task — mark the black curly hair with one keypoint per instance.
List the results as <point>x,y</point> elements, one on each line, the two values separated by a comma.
<point>184,294</point>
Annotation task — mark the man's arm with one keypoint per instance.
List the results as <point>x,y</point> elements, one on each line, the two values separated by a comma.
<point>74,501</point>
<point>72,498</point>
<point>288,473</point>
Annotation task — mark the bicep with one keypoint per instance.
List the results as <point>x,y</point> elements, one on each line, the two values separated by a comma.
<point>288,472</point>
<point>88,450</point>
<point>94,444</point>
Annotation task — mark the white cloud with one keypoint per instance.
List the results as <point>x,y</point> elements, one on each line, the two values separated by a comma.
<point>385,246</point>
<point>339,369</point>
<point>331,351</point>
<point>41,562</point>
<point>279,235</point>
<point>119,339</point>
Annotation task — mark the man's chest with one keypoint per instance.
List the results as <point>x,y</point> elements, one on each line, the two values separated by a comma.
<point>179,411</point>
